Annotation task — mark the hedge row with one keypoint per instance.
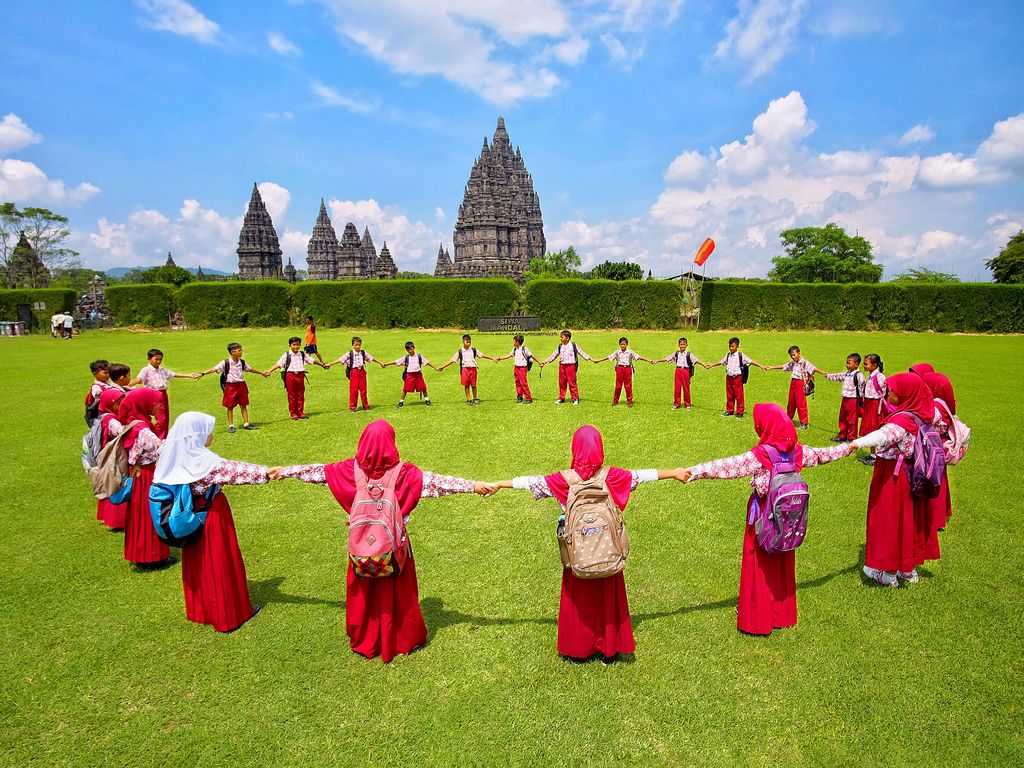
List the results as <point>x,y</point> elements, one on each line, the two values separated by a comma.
<point>150,305</point>
<point>258,304</point>
<point>54,299</point>
<point>605,303</point>
<point>966,307</point>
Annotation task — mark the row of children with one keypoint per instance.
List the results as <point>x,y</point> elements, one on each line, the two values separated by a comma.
<point>906,507</point>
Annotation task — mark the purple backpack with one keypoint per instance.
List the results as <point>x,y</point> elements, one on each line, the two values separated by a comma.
<point>927,465</point>
<point>780,523</point>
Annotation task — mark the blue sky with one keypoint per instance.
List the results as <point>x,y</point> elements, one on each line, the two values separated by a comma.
<point>648,125</point>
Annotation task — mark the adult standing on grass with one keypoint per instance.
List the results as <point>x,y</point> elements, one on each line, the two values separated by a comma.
<point>69,322</point>
<point>56,324</point>
<point>212,569</point>
<point>382,612</point>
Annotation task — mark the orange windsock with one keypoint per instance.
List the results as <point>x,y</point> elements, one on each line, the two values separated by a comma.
<point>703,252</point>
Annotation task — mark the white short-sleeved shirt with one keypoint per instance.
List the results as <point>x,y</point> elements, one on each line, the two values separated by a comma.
<point>519,355</point>
<point>236,373</point>
<point>680,359</point>
<point>625,359</point>
<point>732,363</point>
<point>800,369</point>
<point>155,378</point>
<point>296,363</point>
<point>875,387</point>
<point>414,363</point>
<point>468,358</point>
<point>358,359</point>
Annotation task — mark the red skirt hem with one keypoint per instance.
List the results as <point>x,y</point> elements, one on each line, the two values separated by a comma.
<point>593,617</point>
<point>382,616</point>
<point>767,598</point>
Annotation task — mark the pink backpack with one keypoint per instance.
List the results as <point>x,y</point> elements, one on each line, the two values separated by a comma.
<point>954,447</point>
<point>377,543</point>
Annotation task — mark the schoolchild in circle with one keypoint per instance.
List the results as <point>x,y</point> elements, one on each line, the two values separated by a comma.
<point>801,370</point>
<point>623,357</point>
<point>236,391</point>
<point>850,407</point>
<point>355,361</point>
<point>412,374</point>
<point>154,376</point>
<point>875,406</point>
<point>522,361</point>
<point>941,507</point>
<point>293,363</point>
<point>100,370</point>
<point>734,362</point>
<point>110,514</point>
<point>684,360</point>
<point>568,354</point>
<point>120,376</point>
<point>466,357</point>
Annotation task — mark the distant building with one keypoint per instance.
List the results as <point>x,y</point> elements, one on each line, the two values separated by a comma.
<point>259,252</point>
<point>290,273</point>
<point>170,261</point>
<point>353,258</point>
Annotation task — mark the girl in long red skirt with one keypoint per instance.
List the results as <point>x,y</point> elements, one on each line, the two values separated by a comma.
<point>767,598</point>
<point>111,515</point>
<point>141,544</point>
<point>941,507</point>
<point>593,614</point>
<point>382,615</point>
<point>212,570</point>
<point>897,536</point>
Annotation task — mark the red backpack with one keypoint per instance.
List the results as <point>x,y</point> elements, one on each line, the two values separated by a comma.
<point>377,542</point>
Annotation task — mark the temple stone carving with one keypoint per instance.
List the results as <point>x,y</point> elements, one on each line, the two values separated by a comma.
<point>353,258</point>
<point>259,252</point>
<point>290,273</point>
<point>384,268</point>
<point>500,227</point>
<point>322,251</point>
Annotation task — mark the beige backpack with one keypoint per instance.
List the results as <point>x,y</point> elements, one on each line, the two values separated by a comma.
<point>593,541</point>
<point>111,465</point>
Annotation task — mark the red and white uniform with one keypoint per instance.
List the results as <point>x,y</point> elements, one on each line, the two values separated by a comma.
<point>141,544</point>
<point>157,378</point>
<point>874,396</point>
<point>294,365</point>
<point>98,388</point>
<point>519,372</point>
<point>413,373</point>
<point>356,363</point>
<point>623,373</point>
<point>734,382</point>
<point>681,384</point>
<point>797,404</point>
<point>849,409</point>
<point>567,355</point>
<point>236,391</point>
<point>467,365</point>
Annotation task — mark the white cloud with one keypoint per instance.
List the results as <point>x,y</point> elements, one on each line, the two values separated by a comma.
<point>26,183</point>
<point>285,115</point>
<point>330,97</point>
<point>619,54</point>
<point>570,51</point>
<point>294,246</point>
<point>950,170</point>
<point>919,134</point>
<point>179,17</point>
<point>761,34</point>
<point>413,244</point>
<point>282,45</point>
<point>1005,146</point>
<point>688,167</point>
<point>15,135</point>
<point>276,198</point>
<point>440,215</point>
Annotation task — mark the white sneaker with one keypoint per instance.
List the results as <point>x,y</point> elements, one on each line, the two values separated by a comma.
<point>883,578</point>
<point>575,402</point>
<point>675,407</point>
<point>913,576</point>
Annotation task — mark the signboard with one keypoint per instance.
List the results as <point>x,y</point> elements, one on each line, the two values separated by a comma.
<point>514,324</point>
<point>39,305</point>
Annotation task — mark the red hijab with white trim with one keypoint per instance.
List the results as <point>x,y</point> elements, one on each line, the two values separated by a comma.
<point>138,404</point>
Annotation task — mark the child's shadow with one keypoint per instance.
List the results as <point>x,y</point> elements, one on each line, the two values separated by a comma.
<point>269,591</point>
<point>438,617</point>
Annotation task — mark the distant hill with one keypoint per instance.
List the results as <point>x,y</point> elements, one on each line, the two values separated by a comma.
<point>121,271</point>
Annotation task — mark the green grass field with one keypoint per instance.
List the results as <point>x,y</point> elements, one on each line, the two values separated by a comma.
<point>98,665</point>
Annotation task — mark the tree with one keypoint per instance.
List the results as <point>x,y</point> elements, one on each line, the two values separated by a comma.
<point>925,275</point>
<point>413,276</point>
<point>617,270</point>
<point>824,255</point>
<point>1008,266</point>
<point>45,231</point>
<point>554,266</point>
<point>75,278</point>
<point>174,275</point>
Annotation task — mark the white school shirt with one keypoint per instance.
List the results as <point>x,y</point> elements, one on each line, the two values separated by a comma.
<point>98,388</point>
<point>236,374</point>
<point>679,358</point>
<point>732,363</point>
<point>468,358</point>
<point>624,359</point>
<point>414,363</point>
<point>297,363</point>
<point>68,321</point>
<point>564,353</point>
<point>801,369</point>
<point>359,359</point>
<point>853,383</point>
<point>155,378</point>
<point>875,387</point>
<point>519,355</point>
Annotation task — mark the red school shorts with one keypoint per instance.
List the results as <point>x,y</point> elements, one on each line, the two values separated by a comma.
<point>414,382</point>
<point>469,377</point>
<point>235,393</point>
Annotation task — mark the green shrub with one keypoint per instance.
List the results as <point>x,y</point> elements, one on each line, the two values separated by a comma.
<point>605,303</point>
<point>256,304</point>
<point>148,304</point>
<point>55,299</point>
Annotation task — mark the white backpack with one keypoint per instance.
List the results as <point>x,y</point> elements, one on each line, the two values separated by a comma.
<point>957,441</point>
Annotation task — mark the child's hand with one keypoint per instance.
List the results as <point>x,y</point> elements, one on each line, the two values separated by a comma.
<point>274,473</point>
<point>853,447</point>
<point>682,475</point>
<point>197,376</point>
<point>485,489</point>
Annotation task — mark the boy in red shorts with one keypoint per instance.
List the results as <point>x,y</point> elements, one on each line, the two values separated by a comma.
<point>355,361</point>
<point>412,374</point>
<point>232,381</point>
<point>466,358</point>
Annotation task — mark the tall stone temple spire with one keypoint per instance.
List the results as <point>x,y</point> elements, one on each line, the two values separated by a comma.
<point>259,252</point>
<point>322,251</point>
<point>385,268</point>
<point>368,252</point>
<point>499,228</point>
<point>350,254</point>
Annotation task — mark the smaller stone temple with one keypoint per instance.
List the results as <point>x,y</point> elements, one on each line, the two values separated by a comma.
<point>92,305</point>
<point>351,258</point>
<point>259,252</point>
<point>384,268</point>
<point>290,273</point>
<point>25,269</point>
<point>170,261</point>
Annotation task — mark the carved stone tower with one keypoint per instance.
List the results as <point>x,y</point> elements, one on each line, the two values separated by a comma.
<point>322,251</point>
<point>368,251</point>
<point>350,255</point>
<point>259,253</point>
<point>384,268</point>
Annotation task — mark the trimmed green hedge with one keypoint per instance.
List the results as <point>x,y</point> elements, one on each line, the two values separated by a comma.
<point>404,303</point>
<point>965,307</point>
<point>54,298</point>
<point>150,304</point>
<point>257,304</point>
<point>605,303</point>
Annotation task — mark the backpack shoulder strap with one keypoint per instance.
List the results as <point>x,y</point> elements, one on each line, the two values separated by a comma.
<point>407,362</point>
<point>571,476</point>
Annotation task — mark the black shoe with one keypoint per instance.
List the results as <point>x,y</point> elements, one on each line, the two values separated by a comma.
<point>428,403</point>
<point>401,403</point>
<point>469,402</point>
<point>867,460</point>
<point>802,426</point>
<point>527,402</point>
<point>838,439</point>
<point>739,415</point>
<point>250,426</point>
<point>519,399</point>
<point>726,413</point>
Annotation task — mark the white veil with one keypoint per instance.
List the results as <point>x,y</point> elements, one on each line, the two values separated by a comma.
<point>184,457</point>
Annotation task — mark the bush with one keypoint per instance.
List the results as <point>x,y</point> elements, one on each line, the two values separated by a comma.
<point>605,303</point>
<point>256,304</point>
<point>150,304</point>
<point>405,303</point>
<point>55,299</point>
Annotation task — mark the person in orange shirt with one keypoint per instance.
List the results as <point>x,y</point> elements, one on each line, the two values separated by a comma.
<point>310,348</point>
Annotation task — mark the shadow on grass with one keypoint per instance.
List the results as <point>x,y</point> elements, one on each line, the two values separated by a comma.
<point>438,617</point>
<point>269,591</point>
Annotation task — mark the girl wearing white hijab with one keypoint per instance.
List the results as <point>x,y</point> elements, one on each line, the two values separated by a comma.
<point>216,592</point>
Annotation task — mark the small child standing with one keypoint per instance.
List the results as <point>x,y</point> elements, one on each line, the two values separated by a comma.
<point>412,373</point>
<point>801,370</point>
<point>623,357</point>
<point>155,376</point>
<point>522,363</point>
<point>232,381</point>
<point>736,367</point>
<point>685,362</point>
<point>120,376</point>
<point>875,392</point>
<point>100,370</point>
<point>355,361</point>
<point>853,397</point>
<point>568,354</point>
<point>310,348</point>
<point>293,370</point>
<point>466,357</point>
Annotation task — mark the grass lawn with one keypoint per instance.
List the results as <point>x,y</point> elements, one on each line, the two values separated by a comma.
<point>98,665</point>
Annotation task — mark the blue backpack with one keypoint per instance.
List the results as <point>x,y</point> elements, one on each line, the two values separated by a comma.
<point>176,520</point>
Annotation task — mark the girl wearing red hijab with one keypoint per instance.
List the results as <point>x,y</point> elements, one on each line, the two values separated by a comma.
<point>941,507</point>
<point>111,515</point>
<point>896,542</point>
<point>141,544</point>
<point>921,369</point>
<point>382,615</point>
<point>593,615</point>
<point>767,598</point>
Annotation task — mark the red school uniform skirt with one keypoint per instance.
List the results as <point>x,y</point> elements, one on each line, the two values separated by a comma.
<point>870,418</point>
<point>111,515</point>
<point>213,573</point>
<point>593,617</point>
<point>382,616</point>
<point>767,598</point>
<point>235,393</point>
<point>890,521</point>
<point>141,544</point>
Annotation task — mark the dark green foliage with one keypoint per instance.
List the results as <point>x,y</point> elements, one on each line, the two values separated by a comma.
<point>1008,266</point>
<point>966,307</point>
<point>925,275</point>
<point>167,273</point>
<point>617,270</point>
<point>605,303</point>
<point>405,303</point>
<point>55,299</point>
<point>150,305</point>
<point>554,266</point>
<point>256,304</point>
<point>824,255</point>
